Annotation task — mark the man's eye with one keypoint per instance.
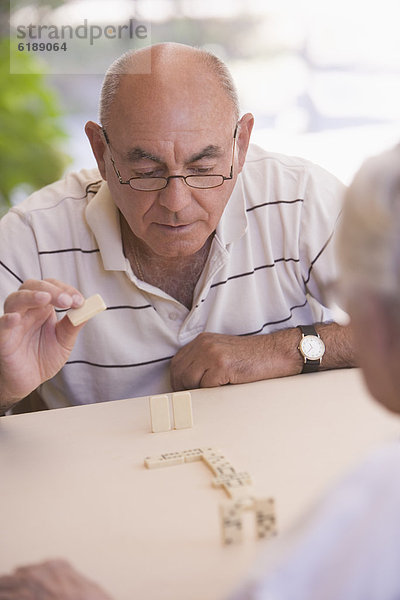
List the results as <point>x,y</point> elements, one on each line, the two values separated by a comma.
<point>146,174</point>
<point>201,170</point>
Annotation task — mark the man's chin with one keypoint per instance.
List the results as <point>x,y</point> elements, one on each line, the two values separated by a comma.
<point>177,249</point>
<point>176,241</point>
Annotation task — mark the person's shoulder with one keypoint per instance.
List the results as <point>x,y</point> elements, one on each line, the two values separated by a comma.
<point>77,185</point>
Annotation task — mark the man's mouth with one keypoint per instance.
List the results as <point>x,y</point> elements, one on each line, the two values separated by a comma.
<point>179,226</point>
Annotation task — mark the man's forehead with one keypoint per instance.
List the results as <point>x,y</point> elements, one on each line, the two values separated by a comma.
<point>180,133</point>
<point>135,144</point>
<point>176,108</point>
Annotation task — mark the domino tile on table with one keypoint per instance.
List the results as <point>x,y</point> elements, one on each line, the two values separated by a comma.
<point>231,522</point>
<point>182,409</point>
<point>193,455</point>
<point>159,413</point>
<point>264,509</point>
<point>173,458</point>
<point>217,461</point>
<point>236,485</point>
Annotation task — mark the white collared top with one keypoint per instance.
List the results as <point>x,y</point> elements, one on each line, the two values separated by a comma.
<point>272,250</point>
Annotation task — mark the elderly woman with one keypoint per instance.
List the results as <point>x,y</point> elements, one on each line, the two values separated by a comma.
<point>350,547</point>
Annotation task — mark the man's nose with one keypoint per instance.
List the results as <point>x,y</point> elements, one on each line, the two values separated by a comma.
<point>176,195</point>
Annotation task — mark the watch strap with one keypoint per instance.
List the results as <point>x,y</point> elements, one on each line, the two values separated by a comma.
<point>308,330</point>
<point>309,366</point>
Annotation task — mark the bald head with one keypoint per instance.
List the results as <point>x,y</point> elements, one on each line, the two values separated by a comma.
<point>169,71</point>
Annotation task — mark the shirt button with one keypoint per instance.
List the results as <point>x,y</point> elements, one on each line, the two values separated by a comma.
<point>173,316</point>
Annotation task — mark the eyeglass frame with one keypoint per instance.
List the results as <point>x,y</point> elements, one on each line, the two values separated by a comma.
<point>166,179</point>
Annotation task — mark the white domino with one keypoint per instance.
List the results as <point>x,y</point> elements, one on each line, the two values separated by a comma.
<point>231,522</point>
<point>237,484</point>
<point>91,307</point>
<point>164,460</point>
<point>159,413</point>
<point>264,509</point>
<point>155,462</point>
<point>182,407</point>
<point>193,455</point>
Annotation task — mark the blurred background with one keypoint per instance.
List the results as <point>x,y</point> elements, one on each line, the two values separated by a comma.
<point>322,79</point>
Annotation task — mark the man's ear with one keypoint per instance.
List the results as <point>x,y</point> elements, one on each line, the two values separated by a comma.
<point>243,138</point>
<point>98,144</point>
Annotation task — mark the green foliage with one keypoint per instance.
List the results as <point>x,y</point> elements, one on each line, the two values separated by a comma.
<point>31,132</point>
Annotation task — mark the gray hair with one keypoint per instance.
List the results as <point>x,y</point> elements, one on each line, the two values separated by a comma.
<point>123,65</point>
<point>369,235</point>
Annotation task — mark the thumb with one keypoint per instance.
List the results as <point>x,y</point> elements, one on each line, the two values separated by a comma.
<point>67,333</point>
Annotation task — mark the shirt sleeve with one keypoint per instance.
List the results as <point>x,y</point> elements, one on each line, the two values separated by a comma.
<point>19,258</point>
<point>321,210</point>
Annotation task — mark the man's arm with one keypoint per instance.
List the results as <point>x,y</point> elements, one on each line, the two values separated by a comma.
<point>214,359</point>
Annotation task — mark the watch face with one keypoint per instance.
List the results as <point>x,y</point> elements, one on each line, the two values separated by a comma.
<point>312,347</point>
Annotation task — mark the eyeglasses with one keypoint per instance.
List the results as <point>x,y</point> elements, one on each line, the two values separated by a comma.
<point>154,184</point>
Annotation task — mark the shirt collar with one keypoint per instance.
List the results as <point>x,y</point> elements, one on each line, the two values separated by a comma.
<point>233,223</point>
<point>103,219</point>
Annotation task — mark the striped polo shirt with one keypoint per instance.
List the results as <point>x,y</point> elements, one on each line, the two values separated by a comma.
<point>273,250</point>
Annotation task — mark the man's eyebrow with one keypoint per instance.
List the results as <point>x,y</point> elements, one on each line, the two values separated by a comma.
<point>210,151</point>
<point>139,153</point>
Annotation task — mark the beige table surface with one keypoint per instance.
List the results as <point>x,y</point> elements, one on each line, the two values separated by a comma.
<point>73,484</point>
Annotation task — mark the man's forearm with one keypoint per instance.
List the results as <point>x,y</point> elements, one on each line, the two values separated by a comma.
<point>278,354</point>
<point>214,359</point>
<point>338,340</point>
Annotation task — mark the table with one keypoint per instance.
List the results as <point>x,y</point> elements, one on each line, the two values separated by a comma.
<point>73,483</point>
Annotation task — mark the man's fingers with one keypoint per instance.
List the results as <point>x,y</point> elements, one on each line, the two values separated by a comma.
<point>206,361</point>
<point>202,377</point>
<point>35,293</point>
<point>213,378</point>
<point>186,369</point>
<point>62,294</point>
<point>9,321</point>
<point>23,300</point>
<point>185,376</point>
<point>77,298</point>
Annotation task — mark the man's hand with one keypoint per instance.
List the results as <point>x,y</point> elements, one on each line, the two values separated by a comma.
<point>33,344</point>
<point>52,580</point>
<point>214,359</point>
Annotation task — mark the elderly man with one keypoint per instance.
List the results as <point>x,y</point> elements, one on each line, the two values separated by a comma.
<point>206,252</point>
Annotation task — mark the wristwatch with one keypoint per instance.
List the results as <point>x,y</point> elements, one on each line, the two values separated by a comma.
<point>311,347</point>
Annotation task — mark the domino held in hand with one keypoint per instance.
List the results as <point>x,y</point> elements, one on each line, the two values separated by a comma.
<point>91,307</point>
